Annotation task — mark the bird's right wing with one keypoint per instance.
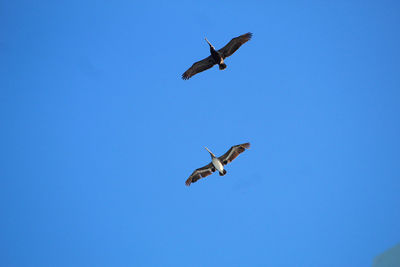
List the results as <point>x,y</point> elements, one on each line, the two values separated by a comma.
<point>200,173</point>
<point>234,44</point>
<point>233,152</point>
<point>199,66</point>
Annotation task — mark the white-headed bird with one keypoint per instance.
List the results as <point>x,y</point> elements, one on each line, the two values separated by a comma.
<point>217,163</point>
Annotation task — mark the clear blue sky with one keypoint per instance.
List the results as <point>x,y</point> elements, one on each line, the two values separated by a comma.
<point>99,133</point>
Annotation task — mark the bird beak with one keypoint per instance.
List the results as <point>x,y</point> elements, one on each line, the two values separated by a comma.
<point>210,152</point>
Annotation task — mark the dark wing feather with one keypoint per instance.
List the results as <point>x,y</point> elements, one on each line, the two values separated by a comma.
<point>200,173</point>
<point>233,153</point>
<point>234,45</point>
<point>199,66</point>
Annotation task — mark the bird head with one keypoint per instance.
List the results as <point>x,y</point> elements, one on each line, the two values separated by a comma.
<point>212,155</point>
<point>208,42</point>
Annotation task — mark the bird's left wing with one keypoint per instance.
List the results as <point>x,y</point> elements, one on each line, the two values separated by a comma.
<point>199,66</point>
<point>200,173</point>
<point>234,44</point>
<point>233,153</point>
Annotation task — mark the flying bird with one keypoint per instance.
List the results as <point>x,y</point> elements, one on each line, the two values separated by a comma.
<point>217,163</point>
<point>217,57</point>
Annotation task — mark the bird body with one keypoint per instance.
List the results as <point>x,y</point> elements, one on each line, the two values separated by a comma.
<point>217,163</point>
<point>217,56</point>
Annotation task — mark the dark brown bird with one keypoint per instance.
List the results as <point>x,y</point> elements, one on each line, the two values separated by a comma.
<point>217,163</point>
<point>217,57</point>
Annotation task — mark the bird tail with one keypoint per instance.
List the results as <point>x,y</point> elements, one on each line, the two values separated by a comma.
<point>222,66</point>
<point>222,173</point>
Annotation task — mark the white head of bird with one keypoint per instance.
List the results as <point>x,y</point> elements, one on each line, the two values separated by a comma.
<point>212,155</point>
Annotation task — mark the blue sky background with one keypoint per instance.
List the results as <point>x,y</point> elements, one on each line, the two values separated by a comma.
<point>99,133</point>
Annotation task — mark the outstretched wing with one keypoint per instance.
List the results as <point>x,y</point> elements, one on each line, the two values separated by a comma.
<point>200,173</point>
<point>234,45</point>
<point>199,66</point>
<point>233,153</point>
